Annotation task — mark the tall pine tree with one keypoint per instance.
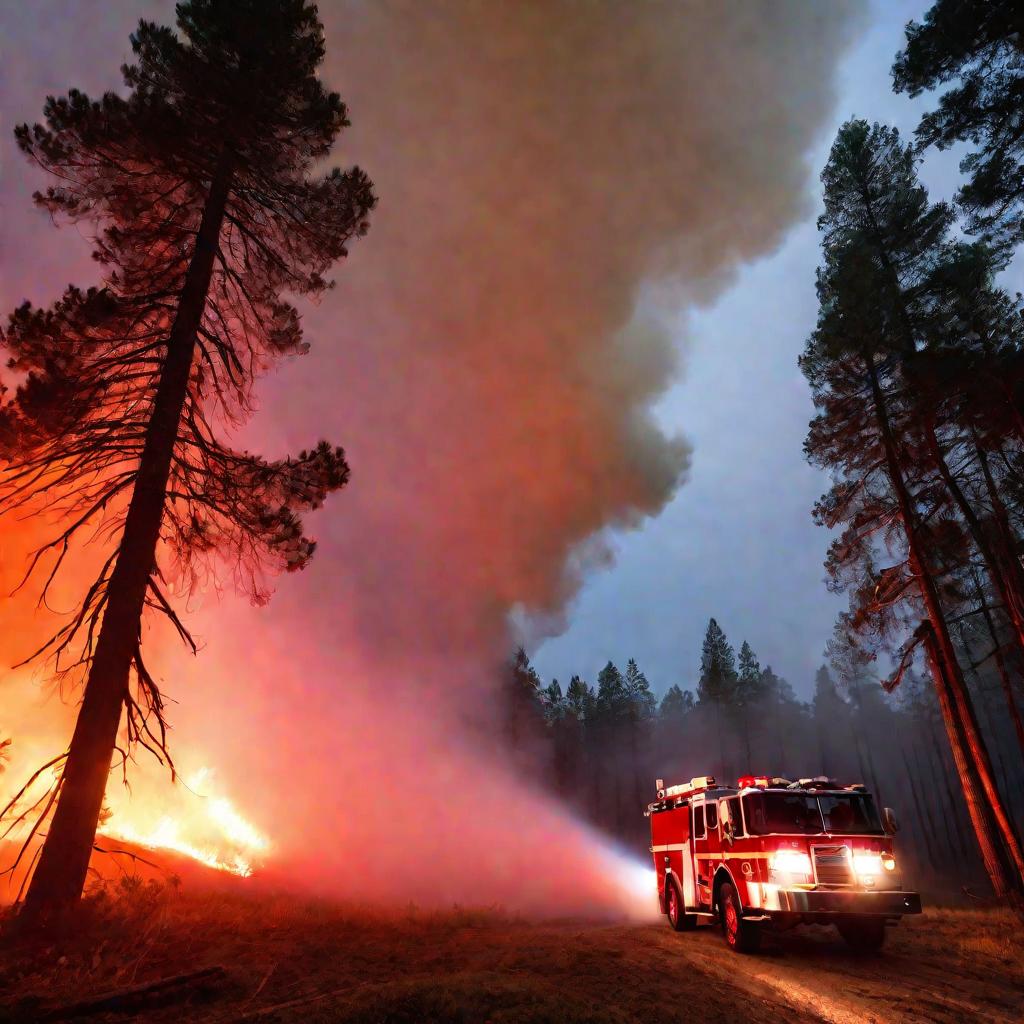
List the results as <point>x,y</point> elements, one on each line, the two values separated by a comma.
<point>717,682</point>
<point>199,190</point>
<point>879,288</point>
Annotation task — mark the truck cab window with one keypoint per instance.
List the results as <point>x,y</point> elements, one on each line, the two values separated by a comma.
<point>711,815</point>
<point>699,831</point>
<point>735,817</point>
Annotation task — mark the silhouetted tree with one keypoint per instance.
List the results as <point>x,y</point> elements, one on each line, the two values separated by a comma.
<point>197,188</point>
<point>976,47</point>
<point>717,667</point>
<point>526,701</point>
<point>830,719</point>
<point>879,291</point>
<point>580,698</point>
<point>638,691</point>
<point>675,705</point>
<point>748,693</point>
<point>553,701</point>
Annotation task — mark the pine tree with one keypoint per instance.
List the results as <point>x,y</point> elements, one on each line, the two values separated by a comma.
<point>829,712</point>
<point>879,290</point>
<point>748,692</point>
<point>612,698</point>
<point>524,694</point>
<point>977,48</point>
<point>749,676</point>
<point>553,701</point>
<point>638,691</point>
<point>675,705</point>
<point>580,699</point>
<point>717,667</point>
<point>197,189</point>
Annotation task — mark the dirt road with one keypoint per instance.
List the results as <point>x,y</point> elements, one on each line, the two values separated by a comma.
<point>284,960</point>
<point>945,967</point>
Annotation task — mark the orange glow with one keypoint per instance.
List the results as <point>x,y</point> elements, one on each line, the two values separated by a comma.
<point>203,826</point>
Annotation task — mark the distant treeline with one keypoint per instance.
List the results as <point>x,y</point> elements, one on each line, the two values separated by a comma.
<point>599,747</point>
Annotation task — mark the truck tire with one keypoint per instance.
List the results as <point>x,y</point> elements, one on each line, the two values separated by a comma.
<point>865,934</point>
<point>740,936</point>
<point>680,921</point>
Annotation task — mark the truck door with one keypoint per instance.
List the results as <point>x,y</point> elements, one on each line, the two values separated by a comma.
<point>686,863</point>
<point>703,868</point>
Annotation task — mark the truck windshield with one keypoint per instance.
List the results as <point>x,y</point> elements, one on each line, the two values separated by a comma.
<point>807,814</point>
<point>782,812</point>
<point>850,814</point>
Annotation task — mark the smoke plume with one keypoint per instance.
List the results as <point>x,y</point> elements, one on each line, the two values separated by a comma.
<point>559,183</point>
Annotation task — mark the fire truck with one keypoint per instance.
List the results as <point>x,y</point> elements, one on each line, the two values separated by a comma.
<point>771,852</point>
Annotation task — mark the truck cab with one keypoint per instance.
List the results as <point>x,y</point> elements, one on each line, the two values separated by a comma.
<point>778,853</point>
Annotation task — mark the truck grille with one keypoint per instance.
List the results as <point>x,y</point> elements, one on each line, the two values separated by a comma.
<point>832,865</point>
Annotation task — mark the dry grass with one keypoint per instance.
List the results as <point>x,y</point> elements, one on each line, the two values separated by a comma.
<point>293,959</point>
<point>990,940</point>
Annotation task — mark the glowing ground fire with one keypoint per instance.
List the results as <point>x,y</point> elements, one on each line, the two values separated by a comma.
<point>206,828</point>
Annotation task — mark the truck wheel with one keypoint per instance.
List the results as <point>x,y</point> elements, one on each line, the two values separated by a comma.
<point>741,936</point>
<point>865,934</point>
<point>680,921</point>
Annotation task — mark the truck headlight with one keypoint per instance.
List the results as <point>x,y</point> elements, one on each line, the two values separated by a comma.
<point>869,866</point>
<point>790,863</point>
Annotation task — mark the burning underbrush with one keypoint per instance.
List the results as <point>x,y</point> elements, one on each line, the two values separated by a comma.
<point>202,824</point>
<point>165,830</point>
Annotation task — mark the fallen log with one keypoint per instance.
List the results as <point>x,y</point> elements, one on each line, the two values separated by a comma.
<point>154,993</point>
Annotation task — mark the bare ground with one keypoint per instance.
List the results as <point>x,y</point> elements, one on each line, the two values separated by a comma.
<point>286,959</point>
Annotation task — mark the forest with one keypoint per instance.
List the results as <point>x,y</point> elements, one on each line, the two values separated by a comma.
<point>916,371</point>
<point>600,747</point>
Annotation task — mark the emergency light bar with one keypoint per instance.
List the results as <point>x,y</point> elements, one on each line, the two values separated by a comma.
<point>818,782</point>
<point>760,781</point>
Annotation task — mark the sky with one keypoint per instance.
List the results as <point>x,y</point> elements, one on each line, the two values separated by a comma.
<point>737,542</point>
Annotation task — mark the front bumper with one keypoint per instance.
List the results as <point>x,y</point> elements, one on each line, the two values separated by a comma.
<point>827,902</point>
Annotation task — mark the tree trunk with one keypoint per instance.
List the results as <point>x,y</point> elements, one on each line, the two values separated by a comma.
<point>1005,581</point>
<point>927,831</point>
<point>939,639</point>
<point>952,810</point>
<point>968,750</point>
<point>1004,673</point>
<point>59,877</point>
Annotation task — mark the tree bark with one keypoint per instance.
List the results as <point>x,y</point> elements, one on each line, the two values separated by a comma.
<point>59,877</point>
<point>1004,672</point>
<point>968,750</point>
<point>1006,582</point>
<point>926,827</point>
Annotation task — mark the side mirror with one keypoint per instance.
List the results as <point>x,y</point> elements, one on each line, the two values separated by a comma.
<point>889,822</point>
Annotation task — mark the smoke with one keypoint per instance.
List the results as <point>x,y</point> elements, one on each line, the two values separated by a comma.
<point>560,183</point>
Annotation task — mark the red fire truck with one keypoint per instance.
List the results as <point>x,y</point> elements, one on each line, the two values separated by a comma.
<point>776,852</point>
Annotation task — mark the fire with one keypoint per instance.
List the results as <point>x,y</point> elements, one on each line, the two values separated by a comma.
<point>205,827</point>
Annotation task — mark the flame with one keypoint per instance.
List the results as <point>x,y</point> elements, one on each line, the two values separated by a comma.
<point>206,828</point>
